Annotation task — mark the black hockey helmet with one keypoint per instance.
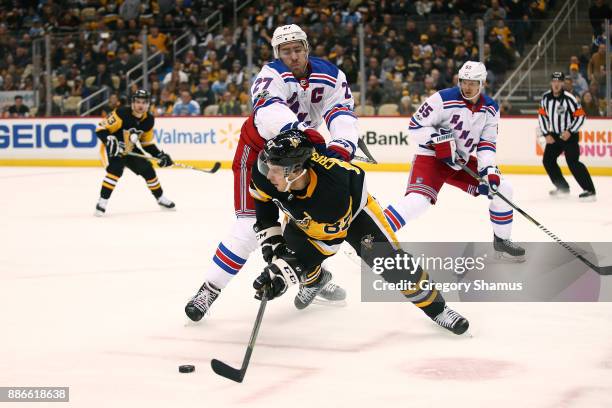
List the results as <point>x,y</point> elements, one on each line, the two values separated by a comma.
<point>290,149</point>
<point>557,76</point>
<point>141,94</point>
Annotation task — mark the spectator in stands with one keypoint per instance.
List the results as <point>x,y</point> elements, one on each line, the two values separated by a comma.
<point>186,106</point>
<point>229,105</point>
<point>590,105</point>
<point>18,110</point>
<point>598,12</point>
<point>350,69</point>
<point>166,103</point>
<point>411,34</point>
<point>423,7</point>
<point>121,66</point>
<point>584,58</point>
<point>220,85</point>
<point>425,47</point>
<point>103,78</point>
<point>8,83</point>
<point>62,89</point>
<point>518,22</point>
<point>374,93</point>
<point>203,94</point>
<point>176,76</point>
<point>129,10</point>
<point>597,66</point>
<point>236,76</point>
<point>498,56</point>
<point>158,39</point>
<point>77,87</point>
<point>405,107</point>
<point>113,103</point>
<point>493,13</point>
<point>568,85</point>
<point>503,33</point>
<point>580,84</point>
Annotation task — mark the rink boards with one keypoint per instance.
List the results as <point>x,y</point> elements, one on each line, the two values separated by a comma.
<point>203,140</point>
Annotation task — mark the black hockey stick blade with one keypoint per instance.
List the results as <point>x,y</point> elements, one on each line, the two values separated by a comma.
<point>364,148</point>
<point>214,168</point>
<point>226,371</point>
<point>602,270</point>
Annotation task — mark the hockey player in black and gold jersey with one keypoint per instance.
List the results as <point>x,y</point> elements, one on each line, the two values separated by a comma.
<point>325,202</point>
<point>119,132</point>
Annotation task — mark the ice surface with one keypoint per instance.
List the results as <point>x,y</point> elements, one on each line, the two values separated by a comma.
<point>96,304</point>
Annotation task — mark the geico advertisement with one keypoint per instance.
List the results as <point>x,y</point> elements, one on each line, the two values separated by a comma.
<point>49,139</point>
<point>215,138</point>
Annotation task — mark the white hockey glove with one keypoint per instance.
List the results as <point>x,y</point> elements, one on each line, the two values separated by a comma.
<point>269,240</point>
<point>114,147</point>
<point>491,177</point>
<point>278,276</point>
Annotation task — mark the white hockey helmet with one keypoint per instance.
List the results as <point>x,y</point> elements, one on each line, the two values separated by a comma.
<point>288,33</point>
<point>473,71</point>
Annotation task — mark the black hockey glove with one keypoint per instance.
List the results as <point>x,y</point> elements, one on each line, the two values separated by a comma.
<point>114,147</point>
<point>164,159</point>
<point>269,239</point>
<point>277,277</point>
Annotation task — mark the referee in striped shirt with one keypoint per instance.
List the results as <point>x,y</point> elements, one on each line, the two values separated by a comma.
<point>560,117</point>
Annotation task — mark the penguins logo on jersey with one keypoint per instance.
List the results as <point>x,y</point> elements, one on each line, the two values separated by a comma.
<point>368,241</point>
<point>295,142</point>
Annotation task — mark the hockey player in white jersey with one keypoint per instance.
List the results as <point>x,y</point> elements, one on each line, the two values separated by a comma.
<point>458,123</point>
<point>294,91</point>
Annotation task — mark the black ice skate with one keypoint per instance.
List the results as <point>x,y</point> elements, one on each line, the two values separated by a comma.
<point>587,196</point>
<point>452,321</point>
<point>200,304</point>
<point>508,250</point>
<point>559,193</point>
<point>164,202</point>
<point>308,293</point>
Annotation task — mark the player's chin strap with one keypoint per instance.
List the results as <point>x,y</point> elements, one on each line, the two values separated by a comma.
<point>602,270</point>
<point>289,182</point>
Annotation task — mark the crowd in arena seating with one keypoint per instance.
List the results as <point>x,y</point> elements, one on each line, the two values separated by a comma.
<point>412,48</point>
<point>586,71</point>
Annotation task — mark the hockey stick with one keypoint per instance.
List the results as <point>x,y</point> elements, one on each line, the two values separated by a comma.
<point>365,159</point>
<point>366,151</point>
<point>213,169</point>
<point>602,270</point>
<point>222,369</point>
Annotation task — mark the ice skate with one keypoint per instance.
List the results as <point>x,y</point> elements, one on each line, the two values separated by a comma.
<point>452,321</point>
<point>164,202</point>
<point>587,196</point>
<point>559,193</point>
<point>101,207</point>
<point>200,304</point>
<point>331,295</point>
<point>308,293</point>
<point>508,250</point>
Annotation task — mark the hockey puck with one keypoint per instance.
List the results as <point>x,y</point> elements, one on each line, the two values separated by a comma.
<point>186,368</point>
